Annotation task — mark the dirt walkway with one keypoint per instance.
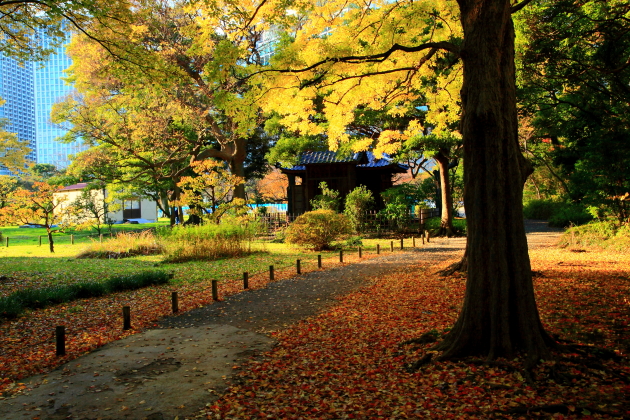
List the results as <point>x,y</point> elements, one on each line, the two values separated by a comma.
<point>173,371</point>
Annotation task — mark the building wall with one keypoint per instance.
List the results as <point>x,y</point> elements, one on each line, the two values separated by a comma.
<point>17,89</point>
<point>49,88</point>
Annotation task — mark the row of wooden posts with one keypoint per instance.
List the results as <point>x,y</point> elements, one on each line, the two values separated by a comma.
<point>60,332</point>
<point>100,238</point>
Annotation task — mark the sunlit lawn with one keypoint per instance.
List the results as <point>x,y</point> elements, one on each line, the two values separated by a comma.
<point>27,264</point>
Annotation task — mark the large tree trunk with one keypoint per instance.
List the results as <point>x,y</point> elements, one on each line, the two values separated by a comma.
<point>446,222</point>
<point>499,316</point>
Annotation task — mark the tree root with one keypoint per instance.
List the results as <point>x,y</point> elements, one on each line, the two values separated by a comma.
<point>413,367</point>
<point>426,338</point>
<point>459,267</point>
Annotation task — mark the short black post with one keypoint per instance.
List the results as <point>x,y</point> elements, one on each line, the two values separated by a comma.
<point>60,338</point>
<point>215,290</point>
<point>319,261</point>
<point>341,256</point>
<point>413,240</point>
<point>271,276</point>
<point>378,249</point>
<point>126,318</point>
<point>40,240</point>
<point>392,246</point>
<point>245,280</point>
<point>401,243</point>
<point>360,253</point>
<point>175,302</point>
<point>298,269</point>
<point>71,239</point>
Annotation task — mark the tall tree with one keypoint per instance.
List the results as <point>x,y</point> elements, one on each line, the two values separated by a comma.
<point>13,151</point>
<point>574,78</point>
<point>191,54</point>
<point>499,316</point>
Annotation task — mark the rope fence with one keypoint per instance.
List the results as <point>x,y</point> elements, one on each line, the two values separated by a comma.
<point>229,286</point>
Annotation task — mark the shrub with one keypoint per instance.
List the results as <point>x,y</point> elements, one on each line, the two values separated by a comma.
<point>207,242</point>
<point>568,215</point>
<point>558,213</point>
<point>600,234</point>
<point>13,305</point>
<point>358,202</point>
<point>540,209</point>
<point>327,200</point>
<point>318,229</point>
<point>137,281</point>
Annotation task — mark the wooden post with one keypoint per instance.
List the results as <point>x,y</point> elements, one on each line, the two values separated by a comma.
<point>428,236</point>
<point>7,241</point>
<point>71,239</point>
<point>40,240</point>
<point>401,243</point>
<point>422,238</point>
<point>215,290</point>
<point>60,338</point>
<point>378,249</point>
<point>392,246</point>
<point>413,241</point>
<point>298,269</point>
<point>360,253</point>
<point>100,238</point>
<point>126,318</point>
<point>175,302</point>
<point>271,276</point>
<point>319,261</point>
<point>341,256</point>
<point>245,280</point>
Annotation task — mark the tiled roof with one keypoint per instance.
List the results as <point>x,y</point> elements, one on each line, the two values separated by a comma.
<point>79,186</point>
<point>366,159</point>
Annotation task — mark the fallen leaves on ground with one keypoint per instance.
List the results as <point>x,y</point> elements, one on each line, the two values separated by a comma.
<point>349,363</point>
<point>28,342</point>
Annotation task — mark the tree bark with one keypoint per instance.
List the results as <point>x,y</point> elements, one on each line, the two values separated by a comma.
<point>51,244</point>
<point>446,222</point>
<point>499,317</point>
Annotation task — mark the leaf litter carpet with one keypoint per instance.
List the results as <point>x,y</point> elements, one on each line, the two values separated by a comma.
<point>349,362</point>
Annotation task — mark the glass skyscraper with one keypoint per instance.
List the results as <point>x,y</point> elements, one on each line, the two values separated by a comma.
<point>29,91</point>
<point>50,88</point>
<point>17,90</point>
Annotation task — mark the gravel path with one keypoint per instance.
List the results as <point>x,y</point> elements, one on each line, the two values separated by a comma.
<point>172,371</point>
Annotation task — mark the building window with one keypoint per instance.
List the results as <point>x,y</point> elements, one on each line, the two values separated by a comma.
<point>131,209</point>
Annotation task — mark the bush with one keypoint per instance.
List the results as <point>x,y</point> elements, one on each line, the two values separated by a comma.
<point>358,202</point>
<point>568,215</point>
<point>540,209</point>
<point>558,213</point>
<point>137,281</point>
<point>207,242</point>
<point>318,229</point>
<point>13,305</point>
<point>604,234</point>
<point>327,200</point>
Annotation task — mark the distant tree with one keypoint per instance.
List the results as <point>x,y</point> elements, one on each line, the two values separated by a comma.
<point>8,184</point>
<point>13,151</point>
<point>39,207</point>
<point>91,209</point>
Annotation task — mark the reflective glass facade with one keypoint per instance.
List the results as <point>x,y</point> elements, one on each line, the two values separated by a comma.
<point>17,90</point>
<point>50,88</point>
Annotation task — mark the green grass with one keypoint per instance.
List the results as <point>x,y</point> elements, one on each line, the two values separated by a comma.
<point>599,235</point>
<point>433,225</point>
<point>30,236</point>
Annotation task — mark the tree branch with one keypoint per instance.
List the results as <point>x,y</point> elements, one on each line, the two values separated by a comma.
<point>519,6</point>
